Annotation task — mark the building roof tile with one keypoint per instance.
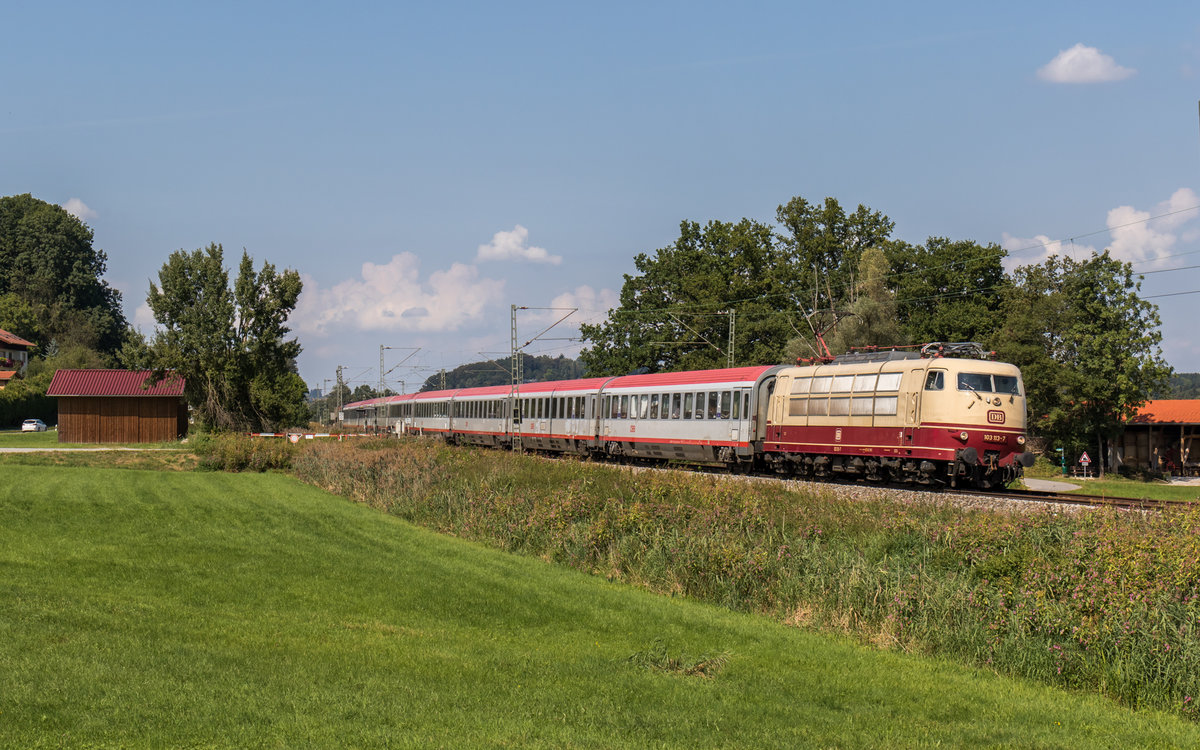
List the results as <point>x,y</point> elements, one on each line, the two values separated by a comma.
<point>112,383</point>
<point>12,339</point>
<point>1169,411</point>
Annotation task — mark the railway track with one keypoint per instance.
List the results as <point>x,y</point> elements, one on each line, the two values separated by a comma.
<point>1077,499</point>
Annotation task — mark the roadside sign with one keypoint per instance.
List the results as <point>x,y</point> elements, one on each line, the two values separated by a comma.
<point>1084,459</point>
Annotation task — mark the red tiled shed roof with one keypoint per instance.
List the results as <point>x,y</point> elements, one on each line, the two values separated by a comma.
<point>7,375</point>
<point>111,383</point>
<point>1169,411</point>
<point>12,339</point>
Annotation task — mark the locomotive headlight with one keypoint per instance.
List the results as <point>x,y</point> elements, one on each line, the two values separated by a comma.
<point>1020,440</point>
<point>963,436</point>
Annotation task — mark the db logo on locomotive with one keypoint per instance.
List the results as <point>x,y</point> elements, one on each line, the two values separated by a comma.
<point>995,417</point>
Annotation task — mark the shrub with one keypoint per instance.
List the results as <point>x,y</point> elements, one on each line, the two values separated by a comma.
<point>235,452</point>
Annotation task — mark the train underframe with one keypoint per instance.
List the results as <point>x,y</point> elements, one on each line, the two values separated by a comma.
<point>966,469</point>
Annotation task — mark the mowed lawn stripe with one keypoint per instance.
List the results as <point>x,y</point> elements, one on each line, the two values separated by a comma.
<point>143,608</point>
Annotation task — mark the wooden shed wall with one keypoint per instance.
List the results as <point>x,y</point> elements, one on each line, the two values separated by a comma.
<point>120,419</point>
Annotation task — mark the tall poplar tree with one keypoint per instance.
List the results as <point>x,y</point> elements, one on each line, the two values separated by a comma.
<point>230,345</point>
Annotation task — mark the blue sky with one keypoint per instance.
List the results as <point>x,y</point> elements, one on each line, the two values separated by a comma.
<point>427,166</point>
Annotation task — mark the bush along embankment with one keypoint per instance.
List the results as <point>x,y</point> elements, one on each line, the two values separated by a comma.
<point>1100,601</point>
<point>237,452</point>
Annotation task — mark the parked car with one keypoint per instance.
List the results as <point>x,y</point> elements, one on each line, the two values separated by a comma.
<point>33,425</point>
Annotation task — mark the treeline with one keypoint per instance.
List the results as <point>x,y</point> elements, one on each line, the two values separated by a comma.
<point>228,341</point>
<point>760,293</point>
<point>534,369</point>
<point>1182,385</point>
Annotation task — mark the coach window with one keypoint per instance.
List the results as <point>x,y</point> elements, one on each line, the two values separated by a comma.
<point>699,406</point>
<point>688,400</point>
<point>644,408</point>
<point>737,401</point>
<point>865,383</point>
<point>889,381</point>
<point>839,407</point>
<point>885,406</point>
<point>746,405</point>
<point>676,401</point>
<point>818,407</point>
<point>842,383</point>
<point>726,404</point>
<point>654,406</point>
<point>821,384</point>
<point>798,407</point>
<point>935,380</point>
<point>714,405</point>
<point>623,409</point>
<point>800,385</point>
<point>860,406</point>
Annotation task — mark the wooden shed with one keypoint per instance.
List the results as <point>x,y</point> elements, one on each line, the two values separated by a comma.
<point>1161,436</point>
<point>118,406</point>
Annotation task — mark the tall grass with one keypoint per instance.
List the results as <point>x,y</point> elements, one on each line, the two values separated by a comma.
<point>1103,601</point>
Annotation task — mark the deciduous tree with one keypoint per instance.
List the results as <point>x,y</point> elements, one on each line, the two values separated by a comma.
<point>230,345</point>
<point>47,259</point>
<point>1088,346</point>
<point>947,290</point>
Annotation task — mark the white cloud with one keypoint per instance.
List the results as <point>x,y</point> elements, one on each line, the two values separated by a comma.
<point>392,297</point>
<point>79,210</point>
<point>1031,251</point>
<point>592,305</point>
<point>143,319</point>
<point>1134,235</point>
<point>1135,238</point>
<point>512,246</point>
<point>1082,64</point>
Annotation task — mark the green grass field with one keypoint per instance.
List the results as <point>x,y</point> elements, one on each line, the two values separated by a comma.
<point>18,439</point>
<point>179,609</point>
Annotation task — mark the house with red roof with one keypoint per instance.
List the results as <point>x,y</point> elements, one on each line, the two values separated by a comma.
<point>14,356</point>
<point>118,406</point>
<point>1164,436</point>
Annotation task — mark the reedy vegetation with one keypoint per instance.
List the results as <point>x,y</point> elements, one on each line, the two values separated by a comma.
<point>1097,601</point>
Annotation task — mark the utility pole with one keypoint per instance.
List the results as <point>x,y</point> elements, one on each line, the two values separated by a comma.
<point>515,382</point>
<point>340,387</point>
<point>412,350</point>
<point>729,359</point>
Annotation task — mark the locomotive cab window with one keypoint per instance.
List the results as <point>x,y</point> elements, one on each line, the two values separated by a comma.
<point>973,381</point>
<point>935,380</point>
<point>1006,384</point>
